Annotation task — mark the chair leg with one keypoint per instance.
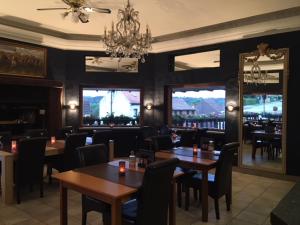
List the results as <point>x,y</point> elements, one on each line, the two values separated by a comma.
<point>84,217</point>
<point>195,194</point>
<point>217,208</point>
<point>18,194</point>
<point>179,193</point>
<point>49,173</point>
<point>228,201</point>
<point>187,198</point>
<point>106,218</point>
<point>41,188</point>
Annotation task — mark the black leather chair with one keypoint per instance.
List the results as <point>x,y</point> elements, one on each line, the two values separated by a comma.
<point>92,155</point>
<point>145,157</point>
<point>188,138</point>
<point>30,164</point>
<point>5,138</point>
<point>219,184</point>
<point>162,142</point>
<point>151,205</point>
<point>63,132</point>
<point>69,159</point>
<point>102,137</point>
<point>36,133</point>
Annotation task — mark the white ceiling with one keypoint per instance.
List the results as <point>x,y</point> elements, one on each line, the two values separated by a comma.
<point>175,23</point>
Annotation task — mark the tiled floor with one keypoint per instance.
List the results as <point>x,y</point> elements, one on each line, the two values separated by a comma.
<point>253,199</point>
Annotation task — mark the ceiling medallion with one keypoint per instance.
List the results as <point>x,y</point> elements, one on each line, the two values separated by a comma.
<point>125,40</point>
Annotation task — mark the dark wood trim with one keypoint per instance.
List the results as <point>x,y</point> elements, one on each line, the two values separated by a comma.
<point>25,81</point>
<point>105,86</point>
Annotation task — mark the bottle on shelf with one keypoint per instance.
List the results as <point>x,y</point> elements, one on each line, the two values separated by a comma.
<point>132,160</point>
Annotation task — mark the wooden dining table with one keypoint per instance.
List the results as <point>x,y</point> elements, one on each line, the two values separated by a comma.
<point>203,161</point>
<point>7,158</point>
<point>103,182</point>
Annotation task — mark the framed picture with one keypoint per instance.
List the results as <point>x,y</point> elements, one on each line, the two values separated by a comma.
<point>22,60</point>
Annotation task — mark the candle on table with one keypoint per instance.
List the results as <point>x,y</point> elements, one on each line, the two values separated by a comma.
<point>13,145</point>
<point>122,168</point>
<point>53,139</point>
<point>195,149</point>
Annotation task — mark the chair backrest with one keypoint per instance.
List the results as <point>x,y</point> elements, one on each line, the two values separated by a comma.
<point>162,142</point>
<point>148,131</point>
<point>124,142</point>
<point>188,138</point>
<point>154,195</point>
<point>145,154</point>
<point>102,137</point>
<point>30,160</point>
<point>92,154</point>
<point>36,133</point>
<point>5,138</point>
<point>63,132</point>
<point>224,167</point>
<point>164,130</point>
<point>70,155</point>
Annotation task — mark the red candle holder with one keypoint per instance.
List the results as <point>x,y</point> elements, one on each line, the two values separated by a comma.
<point>122,168</point>
<point>195,149</point>
<point>53,140</point>
<point>14,146</point>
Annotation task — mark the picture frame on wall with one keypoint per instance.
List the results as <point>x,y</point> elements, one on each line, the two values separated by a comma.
<point>22,60</point>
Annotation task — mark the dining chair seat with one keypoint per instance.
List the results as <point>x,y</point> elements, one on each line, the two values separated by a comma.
<point>129,210</point>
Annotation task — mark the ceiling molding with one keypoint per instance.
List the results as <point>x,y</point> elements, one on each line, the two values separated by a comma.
<point>271,23</point>
<point>281,14</point>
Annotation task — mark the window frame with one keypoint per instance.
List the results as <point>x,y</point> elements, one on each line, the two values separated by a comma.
<point>141,121</point>
<point>168,97</point>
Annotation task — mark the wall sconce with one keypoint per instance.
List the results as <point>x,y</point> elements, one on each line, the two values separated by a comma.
<point>231,107</point>
<point>149,106</point>
<point>72,105</point>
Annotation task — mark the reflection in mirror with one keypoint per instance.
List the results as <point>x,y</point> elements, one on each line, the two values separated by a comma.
<point>108,64</point>
<point>197,60</point>
<point>263,79</point>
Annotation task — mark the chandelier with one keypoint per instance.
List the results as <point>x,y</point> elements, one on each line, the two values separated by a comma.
<point>125,40</point>
<point>256,75</point>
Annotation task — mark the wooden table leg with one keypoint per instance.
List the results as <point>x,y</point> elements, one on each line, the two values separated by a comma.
<point>7,184</point>
<point>204,196</point>
<point>172,205</point>
<point>116,217</point>
<point>63,205</point>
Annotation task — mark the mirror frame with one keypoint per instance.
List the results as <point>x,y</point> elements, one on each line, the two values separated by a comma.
<point>242,56</point>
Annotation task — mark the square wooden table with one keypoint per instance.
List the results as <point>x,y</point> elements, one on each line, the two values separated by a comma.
<point>204,161</point>
<point>110,191</point>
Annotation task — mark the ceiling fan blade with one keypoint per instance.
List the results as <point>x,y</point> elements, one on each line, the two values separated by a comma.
<point>99,10</point>
<point>52,9</point>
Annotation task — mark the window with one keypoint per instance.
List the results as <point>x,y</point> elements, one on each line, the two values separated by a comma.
<point>263,107</point>
<point>197,60</point>
<point>196,107</point>
<point>106,106</point>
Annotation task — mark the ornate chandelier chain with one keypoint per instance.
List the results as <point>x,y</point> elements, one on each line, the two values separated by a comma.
<point>125,40</point>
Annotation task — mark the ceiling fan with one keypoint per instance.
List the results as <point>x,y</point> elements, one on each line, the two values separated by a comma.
<point>79,10</point>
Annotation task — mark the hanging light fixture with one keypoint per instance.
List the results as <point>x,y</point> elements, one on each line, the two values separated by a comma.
<point>125,40</point>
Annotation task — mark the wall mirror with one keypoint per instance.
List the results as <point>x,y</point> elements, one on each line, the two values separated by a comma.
<point>199,60</point>
<point>263,76</point>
